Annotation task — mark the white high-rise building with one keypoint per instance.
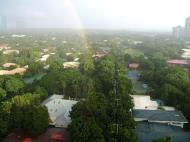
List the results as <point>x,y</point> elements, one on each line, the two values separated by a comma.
<point>178,32</point>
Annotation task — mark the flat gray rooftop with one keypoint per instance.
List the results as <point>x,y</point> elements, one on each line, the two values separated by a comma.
<point>160,115</point>
<point>147,132</point>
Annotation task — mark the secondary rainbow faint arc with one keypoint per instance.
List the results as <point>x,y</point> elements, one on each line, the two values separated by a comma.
<point>78,22</point>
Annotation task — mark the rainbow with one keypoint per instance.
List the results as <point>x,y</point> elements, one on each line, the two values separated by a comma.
<point>78,21</point>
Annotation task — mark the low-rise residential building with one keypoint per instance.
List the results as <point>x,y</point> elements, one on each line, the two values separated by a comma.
<point>76,59</point>
<point>144,102</point>
<point>99,55</point>
<point>71,64</point>
<point>67,54</point>
<point>4,47</point>
<point>148,132</point>
<point>7,65</point>
<point>150,111</point>
<point>133,66</point>
<point>13,72</point>
<point>59,110</point>
<point>44,58</point>
<point>176,62</point>
<point>14,35</point>
<point>137,42</point>
<point>45,50</point>
<point>6,52</point>
<point>174,118</point>
<point>186,53</point>
<point>46,67</point>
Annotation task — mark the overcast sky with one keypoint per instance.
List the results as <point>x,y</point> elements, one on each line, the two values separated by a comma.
<point>96,14</point>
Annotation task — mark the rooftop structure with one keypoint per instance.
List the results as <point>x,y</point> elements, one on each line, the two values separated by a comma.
<point>7,65</point>
<point>10,52</point>
<point>50,135</point>
<point>59,109</point>
<point>46,67</point>
<point>26,66</point>
<point>144,102</point>
<point>13,72</point>
<point>76,59</point>
<point>55,96</point>
<point>71,64</point>
<point>133,65</point>
<point>18,35</point>
<point>99,55</point>
<point>53,38</point>
<point>64,41</point>
<point>137,42</point>
<point>45,50</point>
<point>175,118</point>
<point>178,62</point>
<point>186,54</point>
<point>148,132</point>
<point>67,54</point>
<point>4,47</point>
<point>168,108</point>
<point>105,49</point>
<point>44,58</point>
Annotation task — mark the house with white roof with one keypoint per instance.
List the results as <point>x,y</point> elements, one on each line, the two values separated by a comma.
<point>44,57</point>
<point>6,52</point>
<point>147,110</point>
<point>14,35</point>
<point>144,102</point>
<point>59,110</point>
<point>7,65</point>
<point>71,64</point>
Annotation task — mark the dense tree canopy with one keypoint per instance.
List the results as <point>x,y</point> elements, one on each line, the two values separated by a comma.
<point>100,108</point>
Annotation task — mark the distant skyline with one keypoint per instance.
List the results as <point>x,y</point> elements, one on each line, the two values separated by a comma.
<point>156,15</point>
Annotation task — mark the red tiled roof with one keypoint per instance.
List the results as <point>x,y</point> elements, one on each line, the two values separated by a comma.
<point>57,136</point>
<point>133,65</point>
<point>178,62</point>
<point>27,140</point>
<point>51,134</point>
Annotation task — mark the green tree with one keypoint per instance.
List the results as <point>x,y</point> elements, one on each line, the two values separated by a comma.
<point>87,64</point>
<point>2,93</point>
<point>42,92</point>
<point>27,113</point>
<point>36,119</point>
<point>14,85</point>
<point>89,119</point>
<point>85,132</point>
<point>35,67</point>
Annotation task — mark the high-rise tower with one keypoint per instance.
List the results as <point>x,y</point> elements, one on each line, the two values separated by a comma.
<point>178,32</point>
<point>187,23</point>
<point>187,27</point>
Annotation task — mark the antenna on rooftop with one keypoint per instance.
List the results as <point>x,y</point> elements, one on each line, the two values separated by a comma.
<point>117,99</point>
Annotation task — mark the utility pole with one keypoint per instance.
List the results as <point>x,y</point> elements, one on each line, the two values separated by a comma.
<point>117,99</point>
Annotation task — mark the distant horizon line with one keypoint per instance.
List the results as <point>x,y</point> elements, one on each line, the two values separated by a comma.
<point>89,29</point>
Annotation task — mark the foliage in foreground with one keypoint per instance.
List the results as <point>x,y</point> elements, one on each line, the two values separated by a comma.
<point>95,118</point>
